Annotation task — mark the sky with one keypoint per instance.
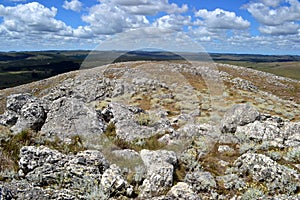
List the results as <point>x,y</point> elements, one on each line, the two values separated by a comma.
<point>251,27</point>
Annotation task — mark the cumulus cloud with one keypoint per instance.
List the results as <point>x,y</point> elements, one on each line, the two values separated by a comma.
<point>272,17</point>
<point>283,29</point>
<point>106,19</point>
<point>147,7</point>
<point>221,19</point>
<point>174,22</point>
<point>275,18</point>
<point>74,5</point>
<point>31,18</point>
<point>271,3</point>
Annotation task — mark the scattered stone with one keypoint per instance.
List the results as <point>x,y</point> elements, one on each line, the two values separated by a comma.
<point>244,84</point>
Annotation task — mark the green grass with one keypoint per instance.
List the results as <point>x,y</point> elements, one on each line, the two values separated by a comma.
<point>285,69</point>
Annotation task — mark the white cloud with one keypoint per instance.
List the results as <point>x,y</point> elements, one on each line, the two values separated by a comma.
<point>221,19</point>
<point>31,18</point>
<point>74,5</point>
<point>283,29</point>
<point>105,19</point>
<point>271,3</point>
<point>272,17</point>
<point>147,7</point>
<point>174,22</point>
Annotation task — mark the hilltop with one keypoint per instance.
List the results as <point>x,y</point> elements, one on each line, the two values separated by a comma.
<point>152,130</point>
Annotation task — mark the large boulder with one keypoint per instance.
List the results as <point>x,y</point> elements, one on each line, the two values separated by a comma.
<point>133,123</point>
<point>32,116</point>
<point>68,117</point>
<point>160,169</point>
<point>261,168</point>
<point>238,115</point>
<point>14,103</point>
<point>86,175</point>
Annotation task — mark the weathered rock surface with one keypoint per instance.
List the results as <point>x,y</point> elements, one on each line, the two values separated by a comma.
<point>182,191</point>
<point>32,116</point>
<point>116,111</point>
<point>238,115</point>
<point>14,104</point>
<point>133,123</point>
<point>160,169</point>
<point>263,169</point>
<point>68,117</point>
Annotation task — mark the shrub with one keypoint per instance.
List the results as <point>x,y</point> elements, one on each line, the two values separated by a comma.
<point>11,148</point>
<point>252,193</point>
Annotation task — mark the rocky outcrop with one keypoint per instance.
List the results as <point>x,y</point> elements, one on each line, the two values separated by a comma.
<point>160,169</point>
<point>278,178</point>
<point>238,115</point>
<point>81,173</point>
<point>68,117</point>
<point>149,137</point>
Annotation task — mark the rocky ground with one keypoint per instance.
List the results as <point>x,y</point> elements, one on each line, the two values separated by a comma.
<point>152,130</point>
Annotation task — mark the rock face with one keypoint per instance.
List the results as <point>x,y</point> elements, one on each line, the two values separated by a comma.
<point>142,135</point>
<point>68,116</point>
<point>160,168</point>
<point>263,169</point>
<point>32,116</point>
<point>83,173</point>
<point>238,115</point>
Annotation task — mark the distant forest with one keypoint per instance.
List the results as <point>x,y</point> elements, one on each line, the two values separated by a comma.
<point>18,68</point>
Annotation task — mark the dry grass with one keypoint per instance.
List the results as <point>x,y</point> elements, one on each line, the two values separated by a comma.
<point>279,90</point>
<point>210,161</point>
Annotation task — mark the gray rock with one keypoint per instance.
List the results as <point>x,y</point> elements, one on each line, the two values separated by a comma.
<point>16,101</point>
<point>278,178</point>
<point>9,118</point>
<point>160,170</point>
<point>263,131</point>
<point>32,116</point>
<point>127,154</point>
<point>128,125</point>
<point>42,167</point>
<point>231,181</point>
<point>68,117</point>
<point>32,157</point>
<point>244,84</point>
<point>21,189</point>
<point>5,193</point>
<point>159,156</point>
<point>238,115</point>
<point>291,131</point>
<point>200,181</point>
<point>159,179</point>
<point>183,191</point>
<point>113,182</point>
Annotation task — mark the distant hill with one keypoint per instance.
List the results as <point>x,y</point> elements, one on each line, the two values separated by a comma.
<point>18,68</point>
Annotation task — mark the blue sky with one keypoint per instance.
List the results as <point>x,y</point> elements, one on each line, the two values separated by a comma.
<point>256,26</point>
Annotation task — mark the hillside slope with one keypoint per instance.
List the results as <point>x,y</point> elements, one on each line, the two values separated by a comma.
<point>152,130</point>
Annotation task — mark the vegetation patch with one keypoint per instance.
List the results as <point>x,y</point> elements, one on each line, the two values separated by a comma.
<point>11,148</point>
<point>211,161</point>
